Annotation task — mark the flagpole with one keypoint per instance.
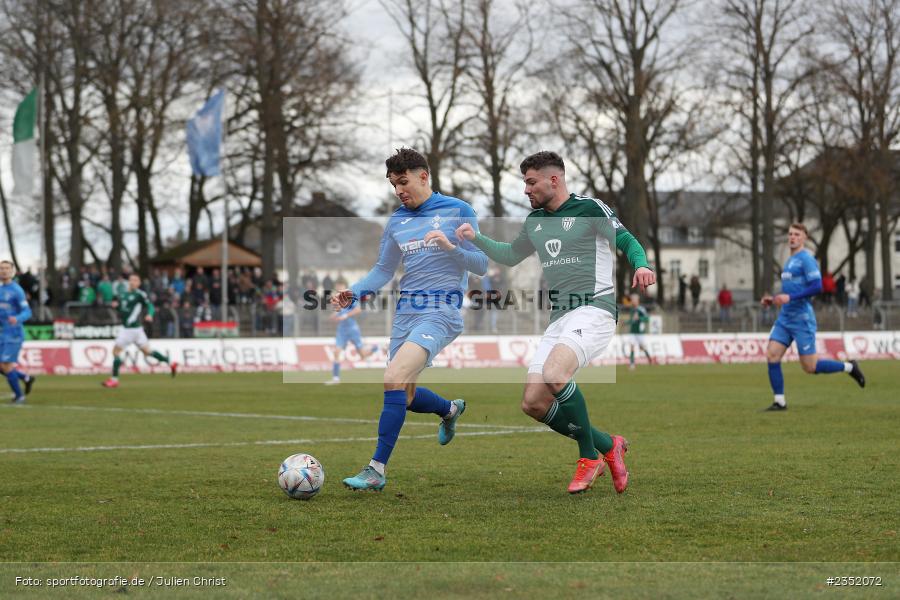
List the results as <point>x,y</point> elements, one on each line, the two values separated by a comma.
<point>41,130</point>
<point>225,260</point>
<point>225,226</point>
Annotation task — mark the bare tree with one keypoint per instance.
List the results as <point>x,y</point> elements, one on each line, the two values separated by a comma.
<point>762,40</point>
<point>434,31</point>
<point>29,42</point>
<point>114,33</point>
<point>167,56</point>
<point>295,81</point>
<point>627,57</point>
<point>7,225</point>
<point>861,61</point>
<point>501,48</point>
<point>69,83</point>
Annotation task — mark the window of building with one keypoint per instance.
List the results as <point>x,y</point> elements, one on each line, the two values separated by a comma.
<point>897,243</point>
<point>695,235</point>
<point>703,268</point>
<point>667,235</point>
<point>675,268</point>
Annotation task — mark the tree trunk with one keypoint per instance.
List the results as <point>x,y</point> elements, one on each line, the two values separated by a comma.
<point>267,225</point>
<point>768,192</point>
<point>76,250</point>
<point>635,190</point>
<point>824,243</point>
<point>496,195</point>
<point>196,202</point>
<point>870,239</point>
<point>143,192</point>
<point>884,226</point>
<point>49,224</point>
<point>144,177</point>
<point>119,177</point>
<point>9,231</point>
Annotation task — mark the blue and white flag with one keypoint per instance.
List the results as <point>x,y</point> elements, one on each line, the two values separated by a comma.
<point>204,136</point>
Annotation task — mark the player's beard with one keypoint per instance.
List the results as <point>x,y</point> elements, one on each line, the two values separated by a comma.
<point>540,202</point>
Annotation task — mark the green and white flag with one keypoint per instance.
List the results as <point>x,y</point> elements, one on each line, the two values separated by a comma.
<point>24,146</point>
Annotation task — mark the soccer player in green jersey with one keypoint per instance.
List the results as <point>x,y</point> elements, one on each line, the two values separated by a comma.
<point>575,238</point>
<point>638,323</point>
<point>131,304</point>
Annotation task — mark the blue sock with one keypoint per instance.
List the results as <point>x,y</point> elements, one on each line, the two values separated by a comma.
<point>392,416</point>
<point>336,369</point>
<point>829,366</point>
<point>426,401</point>
<point>776,378</point>
<point>13,380</point>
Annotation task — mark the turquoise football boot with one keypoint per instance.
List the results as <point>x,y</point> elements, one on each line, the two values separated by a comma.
<point>447,429</point>
<point>367,479</point>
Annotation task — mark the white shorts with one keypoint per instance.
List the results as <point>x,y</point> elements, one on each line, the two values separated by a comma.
<point>131,335</point>
<point>637,340</point>
<point>586,330</point>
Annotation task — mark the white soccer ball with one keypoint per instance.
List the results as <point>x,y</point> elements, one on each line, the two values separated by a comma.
<point>301,476</point>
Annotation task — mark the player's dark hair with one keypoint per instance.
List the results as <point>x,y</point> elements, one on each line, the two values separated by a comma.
<point>405,159</point>
<point>799,227</point>
<point>542,159</point>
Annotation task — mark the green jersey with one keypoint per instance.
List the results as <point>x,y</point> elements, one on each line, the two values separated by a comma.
<point>638,319</point>
<point>132,305</point>
<point>576,246</point>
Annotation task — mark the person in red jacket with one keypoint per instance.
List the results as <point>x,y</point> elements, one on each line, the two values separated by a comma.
<point>725,302</point>
<point>829,287</point>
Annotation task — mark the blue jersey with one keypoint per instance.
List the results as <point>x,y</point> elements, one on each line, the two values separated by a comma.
<point>347,325</point>
<point>13,304</point>
<point>800,272</point>
<point>434,279</point>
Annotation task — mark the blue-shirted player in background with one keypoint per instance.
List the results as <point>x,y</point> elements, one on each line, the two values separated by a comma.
<point>347,331</point>
<point>431,292</point>
<point>14,311</point>
<point>800,281</point>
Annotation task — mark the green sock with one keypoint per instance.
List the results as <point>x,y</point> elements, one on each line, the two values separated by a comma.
<point>602,440</point>
<point>117,362</point>
<point>558,422</point>
<point>631,357</point>
<point>159,357</point>
<point>573,412</point>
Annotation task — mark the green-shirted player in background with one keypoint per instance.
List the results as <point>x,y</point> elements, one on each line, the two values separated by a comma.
<point>638,324</point>
<point>132,304</point>
<point>576,240</point>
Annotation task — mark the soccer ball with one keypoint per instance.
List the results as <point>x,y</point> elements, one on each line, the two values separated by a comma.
<point>301,476</point>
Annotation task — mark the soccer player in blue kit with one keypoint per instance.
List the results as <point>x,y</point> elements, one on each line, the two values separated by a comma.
<point>800,281</point>
<point>428,318</point>
<point>347,331</point>
<point>14,311</point>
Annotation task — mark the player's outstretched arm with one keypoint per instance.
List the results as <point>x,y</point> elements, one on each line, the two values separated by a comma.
<point>464,253</point>
<point>380,274</point>
<point>644,276</point>
<point>501,252</point>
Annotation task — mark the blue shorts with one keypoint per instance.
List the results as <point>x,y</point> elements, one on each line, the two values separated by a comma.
<point>352,335</point>
<point>802,331</point>
<point>430,330</point>
<point>10,348</point>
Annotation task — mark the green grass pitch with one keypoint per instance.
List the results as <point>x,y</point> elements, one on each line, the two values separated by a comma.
<point>724,500</point>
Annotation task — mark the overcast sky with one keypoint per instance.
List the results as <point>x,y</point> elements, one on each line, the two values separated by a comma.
<point>387,81</point>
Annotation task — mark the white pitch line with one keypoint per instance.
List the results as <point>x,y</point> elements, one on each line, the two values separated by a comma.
<point>238,415</point>
<point>258,443</point>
